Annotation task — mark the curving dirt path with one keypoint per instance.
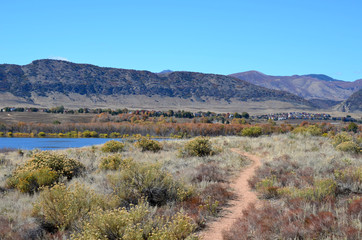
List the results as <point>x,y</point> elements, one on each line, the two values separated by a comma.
<point>244,196</point>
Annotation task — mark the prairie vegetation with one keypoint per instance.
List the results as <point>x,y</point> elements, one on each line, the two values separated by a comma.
<point>141,190</point>
<point>311,186</point>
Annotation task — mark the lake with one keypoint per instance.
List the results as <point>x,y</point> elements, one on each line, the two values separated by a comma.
<point>50,143</point>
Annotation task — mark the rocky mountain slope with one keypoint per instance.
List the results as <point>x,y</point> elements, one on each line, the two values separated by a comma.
<point>49,82</point>
<point>353,103</point>
<point>321,88</point>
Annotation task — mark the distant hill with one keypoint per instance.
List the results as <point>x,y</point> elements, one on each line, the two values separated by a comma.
<point>54,82</point>
<point>165,71</point>
<point>313,86</point>
<point>353,103</point>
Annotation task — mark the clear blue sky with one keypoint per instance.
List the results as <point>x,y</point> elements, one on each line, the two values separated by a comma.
<point>277,37</point>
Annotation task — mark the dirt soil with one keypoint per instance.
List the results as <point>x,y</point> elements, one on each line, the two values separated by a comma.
<point>244,196</point>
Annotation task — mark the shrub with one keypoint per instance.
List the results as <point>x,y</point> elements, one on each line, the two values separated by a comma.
<point>209,172</point>
<point>30,181</point>
<point>348,146</point>
<point>114,162</point>
<point>251,131</point>
<point>340,138</point>
<point>138,222</point>
<point>41,134</point>
<point>276,222</point>
<point>113,146</point>
<point>267,187</point>
<point>312,130</point>
<point>43,169</point>
<point>218,193</point>
<point>88,134</point>
<point>359,139</point>
<point>352,127</point>
<point>349,179</point>
<point>198,147</point>
<point>147,181</point>
<point>258,223</point>
<point>115,135</point>
<point>147,144</point>
<point>355,206</point>
<point>322,189</point>
<point>60,207</point>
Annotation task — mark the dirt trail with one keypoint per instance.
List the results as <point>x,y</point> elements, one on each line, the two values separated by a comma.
<point>244,196</point>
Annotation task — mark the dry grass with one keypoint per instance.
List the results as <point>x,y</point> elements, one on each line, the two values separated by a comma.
<point>206,188</point>
<point>313,191</point>
<point>304,165</point>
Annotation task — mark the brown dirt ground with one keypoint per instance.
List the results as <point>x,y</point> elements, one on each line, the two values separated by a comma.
<point>244,196</point>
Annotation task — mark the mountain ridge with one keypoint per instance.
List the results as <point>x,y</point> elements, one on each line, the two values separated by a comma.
<point>309,86</point>
<point>42,78</point>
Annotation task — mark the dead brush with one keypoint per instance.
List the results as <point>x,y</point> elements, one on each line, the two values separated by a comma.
<point>218,192</point>
<point>211,172</point>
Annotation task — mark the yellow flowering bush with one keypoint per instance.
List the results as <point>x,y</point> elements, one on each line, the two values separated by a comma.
<point>113,146</point>
<point>147,181</point>
<point>147,144</point>
<point>139,222</point>
<point>252,131</point>
<point>43,169</point>
<point>61,207</point>
<point>349,179</point>
<point>29,181</point>
<point>312,130</point>
<point>114,162</point>
<point>340,138</point>
<point>349,146</point>
<point>198,147</point>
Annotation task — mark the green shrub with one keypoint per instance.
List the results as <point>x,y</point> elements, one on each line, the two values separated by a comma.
<point>198,147</point>
<point>147,144</point>
<point>113,146</point>
<point>147,181</point>
<point>114,162</point>
<point>139,222</point>
<point>251,131</point>
<point>340,138</point>
<point>352,127</point>
<point>348,146</point>
<point>61,207</point>
<point>43,169</point>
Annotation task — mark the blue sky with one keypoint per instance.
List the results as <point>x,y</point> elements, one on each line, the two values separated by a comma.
<point>276,37</point>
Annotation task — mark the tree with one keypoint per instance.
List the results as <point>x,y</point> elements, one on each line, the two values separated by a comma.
<point>352,127</point>
<point>245,115</point>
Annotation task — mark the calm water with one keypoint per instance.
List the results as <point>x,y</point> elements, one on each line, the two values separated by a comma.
<point>50,143</point>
